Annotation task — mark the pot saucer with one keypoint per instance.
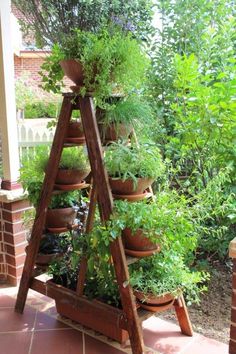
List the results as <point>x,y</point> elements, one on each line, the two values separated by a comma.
<point>71,187</point>
<point>131,197</point>
<point>140,254</point>
<point>58,230</point>
<point>156,308</point>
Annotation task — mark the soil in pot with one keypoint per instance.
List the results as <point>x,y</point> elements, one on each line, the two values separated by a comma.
<point>137,244</point>
<point>69,177</point>
<point>128,187</point>
<point>60,218</point>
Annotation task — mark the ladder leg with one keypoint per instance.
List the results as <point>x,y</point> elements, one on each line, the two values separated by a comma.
<point>47,188</point>
<point>105,203</point>
<point>183,316</point>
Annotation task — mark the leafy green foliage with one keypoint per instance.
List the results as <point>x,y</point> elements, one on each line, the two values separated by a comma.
<point>111,61</point>
<point>131,110</point>
<point>167,221</point>
<point>49,22</point>
<point>41,109</point>
<point>31,178</point>
<point>133,161</point>
<point>165,272</point>
<point>74,158</point>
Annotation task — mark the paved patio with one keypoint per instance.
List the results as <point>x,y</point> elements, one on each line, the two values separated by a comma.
<point>40,330</point>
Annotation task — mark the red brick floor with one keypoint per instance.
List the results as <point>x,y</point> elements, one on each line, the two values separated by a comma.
<point>40,331</point>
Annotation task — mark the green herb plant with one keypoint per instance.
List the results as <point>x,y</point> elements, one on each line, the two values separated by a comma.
<point>111,60</point>
<point>124,162</point>
<point>166,272</point>
<point>74,158</point>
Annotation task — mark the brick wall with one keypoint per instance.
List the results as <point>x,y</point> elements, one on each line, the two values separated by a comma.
<point>12,240</point>
<point>29,65</point>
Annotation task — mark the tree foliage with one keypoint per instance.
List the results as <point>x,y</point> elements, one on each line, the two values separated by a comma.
<point>50,19</point>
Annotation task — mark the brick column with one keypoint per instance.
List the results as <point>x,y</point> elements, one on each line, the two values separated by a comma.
<point>232,342</point>
<point>12,238</point>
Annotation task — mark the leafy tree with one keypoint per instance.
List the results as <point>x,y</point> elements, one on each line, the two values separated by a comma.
<point>50,19</point>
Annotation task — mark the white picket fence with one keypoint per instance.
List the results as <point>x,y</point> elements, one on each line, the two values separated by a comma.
<point>31,133</point>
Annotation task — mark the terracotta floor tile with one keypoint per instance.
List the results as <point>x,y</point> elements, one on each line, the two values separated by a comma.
<point>203,345</point>
<point>57,342</point>
<point>12,321</point>
<point>15,343</point>
<point>94,346</point>
<point>44,321</point>
<point>7,301</point>
<point>164,337</point>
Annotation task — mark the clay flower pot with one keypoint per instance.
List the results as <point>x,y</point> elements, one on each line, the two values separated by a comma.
<point>114,132</point>
<point>70,177</point>
<point>128,187</point>
<point>60,218</point>
<point>75,133</point>
<point>73,70</point>
<point>137,245</point>
<point>75,130</point>
<point>155,303</point>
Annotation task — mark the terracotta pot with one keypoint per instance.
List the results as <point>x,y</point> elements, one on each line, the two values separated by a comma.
<point>45,259</point>
<point>128,187</point>
<point>114,132</point>
<point>70,176</point>
<point>60,218</point>
<point>73,70</point>
<point>137,241</point>
<point>75,130</point>
<point>162,299</point>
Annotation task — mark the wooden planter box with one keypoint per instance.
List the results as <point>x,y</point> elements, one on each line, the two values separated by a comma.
<point>94,314</point>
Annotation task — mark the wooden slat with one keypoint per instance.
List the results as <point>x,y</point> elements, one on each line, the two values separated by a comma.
<point>105,203</point>
<point>48,185</point>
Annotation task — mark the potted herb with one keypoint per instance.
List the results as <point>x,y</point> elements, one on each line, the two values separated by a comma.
<point>120,117</point>
<point>99,63</point>
<point>73,167</point>
<point>75,133</point>
<point>146,227</point>
<point>62,208</point>
<point>132,169</point>
<point>159,279</point>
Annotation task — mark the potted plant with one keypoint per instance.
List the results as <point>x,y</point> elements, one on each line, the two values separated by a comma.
<point>117,121</point>
<point>75,133</point>
<point>63,206</point>
<point>51,248</point>
<point>132,169</point>
<point>73,168</point>
<point>101,63</point>
<point>159,279</point>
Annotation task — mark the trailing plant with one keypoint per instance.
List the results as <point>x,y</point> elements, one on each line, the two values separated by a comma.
<point>134,161</point>
<point>111,61</point>
<point>74,158</point>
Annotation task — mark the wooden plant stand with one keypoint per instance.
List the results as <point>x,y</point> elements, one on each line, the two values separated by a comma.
<point>121,323</point>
